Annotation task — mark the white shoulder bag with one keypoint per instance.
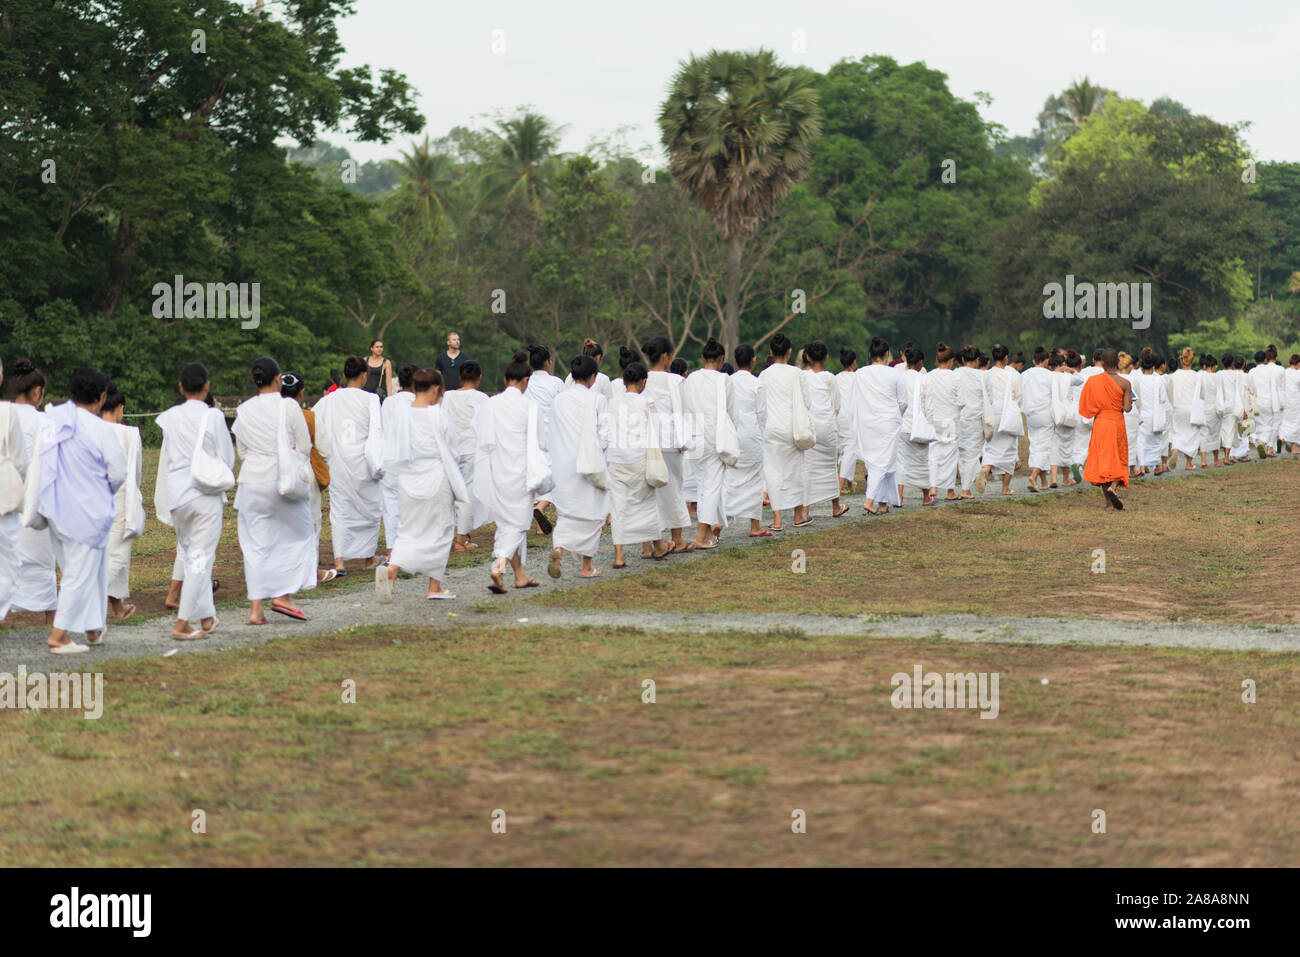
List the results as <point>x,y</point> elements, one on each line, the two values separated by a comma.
<point>209,474</point>
<point>11,482</point>
<point>922,432</point>
<point>726,443</point>
<point>293,477</point>
<point>801,429</point>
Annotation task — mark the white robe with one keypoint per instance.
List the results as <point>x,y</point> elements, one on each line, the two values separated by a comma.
<point>782,462</point>
<point>665,390</point>
<point>16,453</point>
<point>1214,405</point>
<point>541,392</point>
<point>943,407</point>
<point>1003,449</point>
<point>501,475</point>
<point>1289,429</point>
<point>821,463</point>
<point>460,405</point>
<point>879,400</point>
<point>119,547</point>
<point>970,424</point>
<point>913,457</point>
<point>420,454</point>
<point>1132,418</point>
<point>634,508</point>
<point>82,466</point>
<point>1153,419</point>
<point>743,491</point>
<point>1065,405</point>
<point>392,511</point>
<point>1232,389</point>
<point>848,448</point>
<point>35,584</point>
<point>277,536</point>
<point>1184,384</point>
<point>343,423</point>
<point>1036,402</point>
<point>700,397</point>
<point>196,516</point>
<point>578,416</point>
<point>1266,382</point>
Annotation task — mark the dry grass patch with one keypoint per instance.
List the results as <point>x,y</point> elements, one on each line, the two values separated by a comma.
<point>550,727</point>
<point>1215,546</point>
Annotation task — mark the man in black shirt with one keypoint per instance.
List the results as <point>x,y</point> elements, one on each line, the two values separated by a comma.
<point>449,363</point>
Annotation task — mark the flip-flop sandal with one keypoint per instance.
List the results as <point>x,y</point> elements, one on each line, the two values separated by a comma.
<point>927,504</point>
<point>294,612</point>
<point>441,596</point>
<point>773,528</point>
<point>543,522</point>
<point>340,574</point>
<point>215,622</point>
<point>95,642</point>
<point>690,547</point>
<point>618,565</point>
<point>705,548</point>
<point>68,648</point>
<point>1114,500</point>
<point>1034,488</point>
<point>1053,485</point>
<point>127,612</point>
<point>555,566</point>
<point>531,583</point>
<point>803,524</point>
<point>192,636</point>
<point>765,533</point>
<point>496,589</point>
<point>329,576</point>
<point>844,510</point>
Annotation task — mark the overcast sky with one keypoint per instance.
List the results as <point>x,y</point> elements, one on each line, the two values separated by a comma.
<point>598,66</point>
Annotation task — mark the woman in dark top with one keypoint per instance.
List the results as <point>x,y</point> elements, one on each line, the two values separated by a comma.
<point>379,371</point>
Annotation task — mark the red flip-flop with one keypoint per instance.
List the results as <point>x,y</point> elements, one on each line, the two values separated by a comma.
<point>291,612</point>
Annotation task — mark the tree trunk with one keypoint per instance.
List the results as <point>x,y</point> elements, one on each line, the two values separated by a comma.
<point>731,324</point>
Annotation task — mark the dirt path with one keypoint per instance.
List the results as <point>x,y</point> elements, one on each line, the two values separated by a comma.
<point>332,609</point>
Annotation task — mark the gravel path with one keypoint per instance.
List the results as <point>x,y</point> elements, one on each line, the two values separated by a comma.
<point>331,609</point>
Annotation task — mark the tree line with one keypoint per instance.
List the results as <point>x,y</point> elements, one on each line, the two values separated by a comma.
<point>139,142</point>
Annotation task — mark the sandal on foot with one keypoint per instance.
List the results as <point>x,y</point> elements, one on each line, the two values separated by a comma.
<point>292,611</point>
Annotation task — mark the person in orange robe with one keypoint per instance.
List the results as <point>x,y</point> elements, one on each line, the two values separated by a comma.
<point>1105,399</point>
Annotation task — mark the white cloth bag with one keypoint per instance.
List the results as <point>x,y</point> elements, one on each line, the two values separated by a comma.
<point>801,431</point>
<point>922,432</point>
<point>208,473</point>
<point>293,475</point>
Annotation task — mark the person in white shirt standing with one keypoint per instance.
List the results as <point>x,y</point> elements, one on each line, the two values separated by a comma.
<point>196,515</point>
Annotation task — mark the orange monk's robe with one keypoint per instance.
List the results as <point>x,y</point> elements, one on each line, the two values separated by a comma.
<point>1103,401</point>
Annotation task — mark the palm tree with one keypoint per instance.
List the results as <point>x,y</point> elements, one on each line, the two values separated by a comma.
<point>522,162</point>
<point>738,128</point>
<point>1064,114</point>
<point>427,180</point>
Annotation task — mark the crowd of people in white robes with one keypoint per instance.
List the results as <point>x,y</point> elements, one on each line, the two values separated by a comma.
<point>666,460</point>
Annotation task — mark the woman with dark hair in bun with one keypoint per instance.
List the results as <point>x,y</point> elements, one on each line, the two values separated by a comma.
<point>349,433</point>
<point>196,516</point>
<point>419,451</point>
<point>780,386</point>
<point>543,387</point>
<point>590,347</point>
<point>292,387</point>
<point>705,396</point>
<point>626,357</point>
<point>821,463</point>
<point>461,404</point>
<point>665,390</point>
<point>743,494</point>
<point>510,472</point>
<point>82,467</point>
<point>848,448</point>
<point>970,423</point>
<point>879,401</point>
<point>634,508</point>
<point>36,585</point>
<point>579,435</point>
<point>276,535</point>
<point>1001,448</point>
<point>128,504</point>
